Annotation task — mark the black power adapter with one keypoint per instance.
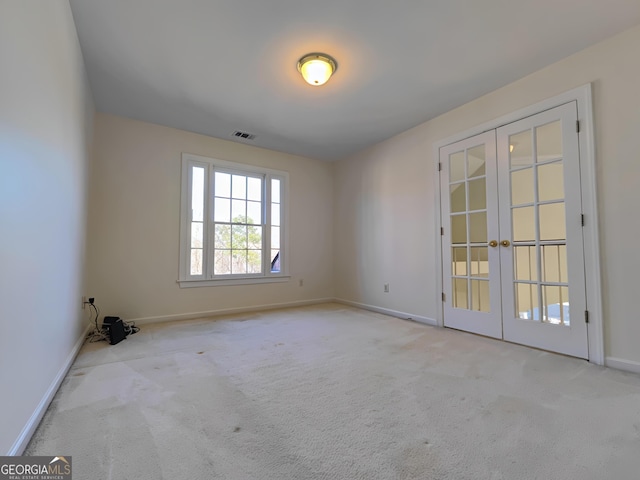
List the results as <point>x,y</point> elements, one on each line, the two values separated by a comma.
<point>115,329</point>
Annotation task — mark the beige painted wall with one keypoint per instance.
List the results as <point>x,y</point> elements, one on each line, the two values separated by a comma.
<point>46,115</point>
<point>385,211</point>
<point>134,223</point>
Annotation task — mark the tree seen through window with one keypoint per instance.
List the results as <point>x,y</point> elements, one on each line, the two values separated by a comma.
<point>238,247</point>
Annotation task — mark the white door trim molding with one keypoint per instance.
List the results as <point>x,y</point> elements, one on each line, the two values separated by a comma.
<point>583,96</point>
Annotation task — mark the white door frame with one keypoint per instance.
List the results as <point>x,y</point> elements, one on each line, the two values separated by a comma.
<point>583,96</point>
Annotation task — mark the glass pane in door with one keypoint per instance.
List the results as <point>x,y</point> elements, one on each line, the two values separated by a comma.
<point>523,224</point>
<point>522,186</point>
<point>527,301</point>
<point>539,225</point>
<point>460,293</point>
<point>525,263</point>
<point>552,222</point>
<point>478,227</point>
<point>468,220</point>
<point>555,304</point>
<point>480,300</point>
<point>479,262</point>
<point>554,263</point>
<point>459,229</point>
<point>521,149</point>
<point>458,197</point>
<point>549,141</point>
<point>478,194</point>
<point>456,167</point>
<point>550,182</point>
<point>476,162</point>
<point>459,261</point>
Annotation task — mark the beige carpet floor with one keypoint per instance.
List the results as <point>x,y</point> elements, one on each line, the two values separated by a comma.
<point>331,392</point>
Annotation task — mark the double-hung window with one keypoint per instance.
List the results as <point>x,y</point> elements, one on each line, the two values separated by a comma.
<point>233,223</point>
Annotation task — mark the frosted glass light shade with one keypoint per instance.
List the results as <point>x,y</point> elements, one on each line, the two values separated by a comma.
<point>316,68</point>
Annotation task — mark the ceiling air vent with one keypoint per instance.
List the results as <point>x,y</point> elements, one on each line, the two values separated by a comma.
<point>243,135</point>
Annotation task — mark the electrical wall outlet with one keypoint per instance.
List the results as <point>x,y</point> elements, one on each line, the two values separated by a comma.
<point>386,288</point>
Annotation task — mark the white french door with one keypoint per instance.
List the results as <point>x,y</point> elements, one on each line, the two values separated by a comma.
<point>469,189</point>
<point>513,260</point>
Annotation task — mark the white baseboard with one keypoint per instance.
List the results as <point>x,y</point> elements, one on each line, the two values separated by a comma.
<point>27,432</point>
<point>227,311</point>
<point>621,364</point>
<point>387,311</point>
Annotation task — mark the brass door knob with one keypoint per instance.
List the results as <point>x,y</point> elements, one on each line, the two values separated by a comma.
<point>493,243</point>
<point>505,243</point>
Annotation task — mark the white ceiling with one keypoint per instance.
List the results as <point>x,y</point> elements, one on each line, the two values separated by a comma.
<point>215,66</point>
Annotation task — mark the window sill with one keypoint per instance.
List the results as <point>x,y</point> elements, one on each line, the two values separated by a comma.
<point>232,281</point>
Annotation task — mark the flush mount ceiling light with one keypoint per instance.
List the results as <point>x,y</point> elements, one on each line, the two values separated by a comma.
<point>317,68</point>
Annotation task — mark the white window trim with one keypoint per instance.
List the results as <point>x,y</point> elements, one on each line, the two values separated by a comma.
<point>185,279</point>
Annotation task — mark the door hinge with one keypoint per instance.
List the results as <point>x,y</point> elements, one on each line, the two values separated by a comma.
<point>586,316</point>
<point>439,166</point>
<point>441,230</point>
<point>582,219</point>
<point>444,297</point>
<point>577,126</point>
